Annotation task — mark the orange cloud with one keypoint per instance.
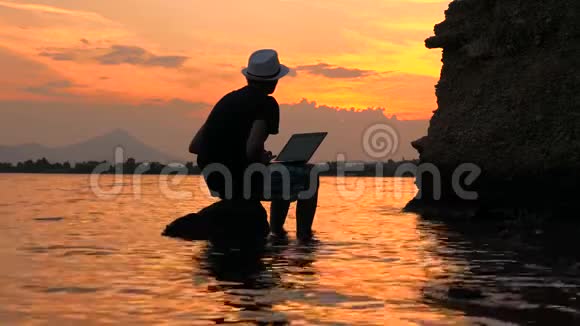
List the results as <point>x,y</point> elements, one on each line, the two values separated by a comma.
<point>53,10</point>
<point>342,49</point>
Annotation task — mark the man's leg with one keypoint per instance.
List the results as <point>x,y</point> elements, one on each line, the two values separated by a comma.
<point>278,212</point>
<point>305,211</point>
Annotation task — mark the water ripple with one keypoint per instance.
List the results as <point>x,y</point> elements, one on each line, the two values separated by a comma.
<point>69,257</point>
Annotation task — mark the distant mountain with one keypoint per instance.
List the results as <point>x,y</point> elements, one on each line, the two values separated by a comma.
<point>100,148</point>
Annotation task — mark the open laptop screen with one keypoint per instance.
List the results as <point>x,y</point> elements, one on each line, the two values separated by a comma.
<point>301,147</point>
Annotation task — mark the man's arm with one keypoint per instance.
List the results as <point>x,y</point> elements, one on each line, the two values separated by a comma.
<point>195,145</point>
<point>268,119</point>
<point>255,145</point>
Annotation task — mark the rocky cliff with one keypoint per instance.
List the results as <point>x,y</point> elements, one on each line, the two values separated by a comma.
<point>509,102</point>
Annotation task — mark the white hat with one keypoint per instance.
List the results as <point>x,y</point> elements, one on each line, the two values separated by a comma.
<point>264,65</point>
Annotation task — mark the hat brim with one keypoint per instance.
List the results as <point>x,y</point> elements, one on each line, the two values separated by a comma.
<point>283,72</point>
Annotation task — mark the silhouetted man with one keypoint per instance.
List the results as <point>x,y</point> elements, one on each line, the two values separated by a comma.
<point>233,137</point>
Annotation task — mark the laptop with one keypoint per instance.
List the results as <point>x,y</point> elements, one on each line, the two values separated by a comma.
<point>300,148</point>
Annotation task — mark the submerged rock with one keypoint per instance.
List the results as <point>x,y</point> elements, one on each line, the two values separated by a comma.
<point>227,222</point>
<point>464,293</point>
<point>508,103</point>
<point>189,227</point>
<point>49,219</point>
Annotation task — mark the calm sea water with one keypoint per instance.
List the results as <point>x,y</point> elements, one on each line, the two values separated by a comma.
<point>68,256</point>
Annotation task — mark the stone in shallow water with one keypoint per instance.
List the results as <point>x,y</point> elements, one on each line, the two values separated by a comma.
<point>227,222</point>
<point>190,227</point>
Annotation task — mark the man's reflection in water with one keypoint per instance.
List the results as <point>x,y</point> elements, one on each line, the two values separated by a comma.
<point>254,281</point>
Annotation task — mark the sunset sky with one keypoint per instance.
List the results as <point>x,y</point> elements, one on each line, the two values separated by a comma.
<point>345,53</point>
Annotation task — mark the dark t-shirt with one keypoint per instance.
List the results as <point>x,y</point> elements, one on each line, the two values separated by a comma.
<point>228,126</point>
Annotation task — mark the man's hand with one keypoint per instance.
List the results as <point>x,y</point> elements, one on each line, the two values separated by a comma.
<point>267,157</point>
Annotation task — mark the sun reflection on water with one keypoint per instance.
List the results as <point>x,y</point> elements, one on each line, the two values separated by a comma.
<point>71,257</point>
